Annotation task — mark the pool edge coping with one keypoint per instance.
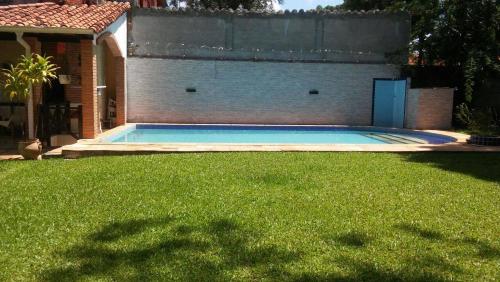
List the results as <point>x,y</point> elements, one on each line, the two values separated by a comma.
<point>93,147</point>
<point>459,137</point>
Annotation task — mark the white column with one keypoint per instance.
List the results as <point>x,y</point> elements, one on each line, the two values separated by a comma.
<point>31,120</point>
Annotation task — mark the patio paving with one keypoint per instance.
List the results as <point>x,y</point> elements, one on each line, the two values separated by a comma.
<point>9,155</point>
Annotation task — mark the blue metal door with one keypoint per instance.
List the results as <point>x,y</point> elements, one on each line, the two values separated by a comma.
<point>389,98</point>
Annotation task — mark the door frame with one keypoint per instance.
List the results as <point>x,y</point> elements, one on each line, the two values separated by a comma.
<point>373,96</point>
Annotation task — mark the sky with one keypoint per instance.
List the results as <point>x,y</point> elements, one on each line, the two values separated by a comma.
<point>307,4</point>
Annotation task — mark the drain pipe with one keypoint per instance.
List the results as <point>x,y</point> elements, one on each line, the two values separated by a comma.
<point>30,114</point>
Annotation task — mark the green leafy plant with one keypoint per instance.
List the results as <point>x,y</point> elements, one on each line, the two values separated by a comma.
<point>15,86</point>
<point>31,71</point>
<point>464,114</point>
<point>479,121</point>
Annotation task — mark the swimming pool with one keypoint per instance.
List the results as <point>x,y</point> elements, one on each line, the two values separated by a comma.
<point>256,134</point>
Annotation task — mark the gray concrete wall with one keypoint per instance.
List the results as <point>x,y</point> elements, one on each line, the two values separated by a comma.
<point>372,37</point>
<point>251,92</point>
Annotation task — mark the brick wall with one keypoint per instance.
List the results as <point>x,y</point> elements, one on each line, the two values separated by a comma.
<point>109,72</point>
<point>430,108</point>
<point>72,91</point>
<point>251,92</point>
<point>68,63</point>
<point>90,123</point>
<point>120,87</point>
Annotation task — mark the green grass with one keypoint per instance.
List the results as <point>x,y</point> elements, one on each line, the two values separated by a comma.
<point>253,216</point>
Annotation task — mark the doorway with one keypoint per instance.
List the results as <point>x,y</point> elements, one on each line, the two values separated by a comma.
<point>389,99</point>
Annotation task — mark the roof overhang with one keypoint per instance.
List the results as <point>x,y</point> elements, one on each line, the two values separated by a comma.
<point>53,30</point>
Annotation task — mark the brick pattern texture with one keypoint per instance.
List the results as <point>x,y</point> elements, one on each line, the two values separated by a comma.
<point>120,86</point>
<point>72,91</point>
<point>251,92</point>
<point>68,64</point>
<point>90,122</point>
<point>429,108</point>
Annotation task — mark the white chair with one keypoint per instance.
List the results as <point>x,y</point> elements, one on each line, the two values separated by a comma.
<point>9,125</point>
<point>6,123</point>
<point>111,112</point>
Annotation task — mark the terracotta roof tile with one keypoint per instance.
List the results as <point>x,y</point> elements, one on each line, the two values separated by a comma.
<point>48,14</point>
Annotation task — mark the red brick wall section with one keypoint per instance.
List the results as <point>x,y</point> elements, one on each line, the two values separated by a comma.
<point>69,64</point>
<point>90,121</point>
<point>72,91</point>
<point>120,90</point>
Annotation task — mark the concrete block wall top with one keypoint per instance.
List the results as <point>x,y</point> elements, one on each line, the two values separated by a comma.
<point>371,37</point>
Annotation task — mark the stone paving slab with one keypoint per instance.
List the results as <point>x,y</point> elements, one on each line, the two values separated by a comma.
<point>96,147</point>
<point>4,156</point>
<point>13,155</point>
<point>80,150</point>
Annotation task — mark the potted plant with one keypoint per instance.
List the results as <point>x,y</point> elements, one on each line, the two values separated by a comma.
<point>33,70</point>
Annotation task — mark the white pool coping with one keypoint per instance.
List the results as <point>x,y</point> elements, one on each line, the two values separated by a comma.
<point>92,147</point>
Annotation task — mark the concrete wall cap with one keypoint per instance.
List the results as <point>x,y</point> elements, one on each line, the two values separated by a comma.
<point>263,12</point>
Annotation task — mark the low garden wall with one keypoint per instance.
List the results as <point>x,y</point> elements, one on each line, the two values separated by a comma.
<point>429,108</point>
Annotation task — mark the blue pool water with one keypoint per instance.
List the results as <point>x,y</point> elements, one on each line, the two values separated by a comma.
<point>145,133</point>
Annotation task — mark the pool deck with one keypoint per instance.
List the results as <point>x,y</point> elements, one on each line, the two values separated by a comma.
<point>95,147</point>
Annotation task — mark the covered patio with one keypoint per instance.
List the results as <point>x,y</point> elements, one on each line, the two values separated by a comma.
<point>88,44</point>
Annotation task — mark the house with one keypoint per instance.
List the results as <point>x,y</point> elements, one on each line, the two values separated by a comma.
<point>163,65</point>
<point>88,44</point>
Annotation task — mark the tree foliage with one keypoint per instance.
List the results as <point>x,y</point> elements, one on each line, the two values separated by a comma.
<point>226,4</point>
<point>366,4</point>
<point>457,33</point>
<point>31,70</point>
<point>467,39</point>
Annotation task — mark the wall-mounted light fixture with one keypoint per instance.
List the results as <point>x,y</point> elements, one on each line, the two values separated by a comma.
<point>313,92</point>
<point>190,89</point>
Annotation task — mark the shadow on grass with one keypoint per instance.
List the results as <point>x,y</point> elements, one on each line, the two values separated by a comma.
<point>425,266</point>
<point>419,231</point>
<point>484,166</point>
<point>484,249</point>
<point>353,239</point>
<point>187,253</point>
<point>426,269</point>
<point>222,249</point>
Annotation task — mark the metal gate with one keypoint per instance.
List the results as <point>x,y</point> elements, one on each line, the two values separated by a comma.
<point>389,97</point>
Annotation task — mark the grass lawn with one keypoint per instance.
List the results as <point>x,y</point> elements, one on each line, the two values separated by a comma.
<point>253,216</point>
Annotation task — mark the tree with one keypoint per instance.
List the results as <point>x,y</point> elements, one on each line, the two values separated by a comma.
<point>226,4</point>
<point>424,18</point>
<point>457,33</point>
<point>366,4</point>
<point>328,8</point>
<point>467,39</point>
<point>423,13</point>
